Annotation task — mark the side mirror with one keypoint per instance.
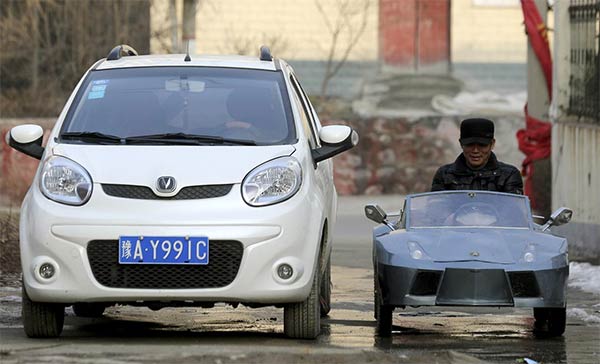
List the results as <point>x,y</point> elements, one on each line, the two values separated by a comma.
<point>559,217</point>
<point>335,139</point>
<point>27,139</point>
<point>376,213</point>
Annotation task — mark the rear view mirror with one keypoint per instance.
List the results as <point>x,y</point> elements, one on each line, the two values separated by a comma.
<point>559,217</point>
<point>27,139</point>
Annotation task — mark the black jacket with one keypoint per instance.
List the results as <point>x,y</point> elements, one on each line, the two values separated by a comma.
<point>494,176</point>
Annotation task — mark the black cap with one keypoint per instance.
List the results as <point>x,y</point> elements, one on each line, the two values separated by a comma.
<point>476,131</point>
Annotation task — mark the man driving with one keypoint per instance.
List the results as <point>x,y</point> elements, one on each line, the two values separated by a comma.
<point>477,168</point>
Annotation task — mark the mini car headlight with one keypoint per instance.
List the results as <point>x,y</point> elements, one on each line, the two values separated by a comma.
<point>272,182</point>
<point>416,252</point>
<point>529,253</point>
<point>65,181</point>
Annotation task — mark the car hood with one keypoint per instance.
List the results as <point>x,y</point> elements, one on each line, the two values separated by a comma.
<point>504,246</point>
<point>189,165</point>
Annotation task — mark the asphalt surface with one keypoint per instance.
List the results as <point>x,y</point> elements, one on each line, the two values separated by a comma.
<point>242,335</point>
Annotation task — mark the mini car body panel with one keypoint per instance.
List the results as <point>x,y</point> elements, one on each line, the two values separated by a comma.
<point>189,165</point>
<point>502,246</point>
<point>470,265</point>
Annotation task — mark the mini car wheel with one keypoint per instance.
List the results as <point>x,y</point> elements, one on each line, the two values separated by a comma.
<point>325,296</point>
<point>41,319</point>
<point>550,321</point>
<point>88,309</point>
<point>302,320</point>
<point>383,314</point>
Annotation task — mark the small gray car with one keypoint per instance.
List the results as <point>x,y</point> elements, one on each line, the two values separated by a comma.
<point>469,248</point>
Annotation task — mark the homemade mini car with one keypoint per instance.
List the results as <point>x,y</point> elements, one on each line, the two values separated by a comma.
<point>178,180</point>
<point>469,248</point>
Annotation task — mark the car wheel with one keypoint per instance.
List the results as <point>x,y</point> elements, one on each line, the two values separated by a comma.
<point>88,309</point>
<point>325,296</point>
<point>302,320</point>
<point>383,314</point>
<point>41,319</point>
<point>550,321</point>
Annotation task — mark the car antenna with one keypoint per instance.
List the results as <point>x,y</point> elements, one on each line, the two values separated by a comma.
<point>187,52</point>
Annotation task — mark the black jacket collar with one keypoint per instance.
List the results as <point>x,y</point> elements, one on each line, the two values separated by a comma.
<point>460,164</point>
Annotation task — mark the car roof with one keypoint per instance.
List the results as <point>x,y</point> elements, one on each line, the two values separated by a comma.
<point>177,60</point>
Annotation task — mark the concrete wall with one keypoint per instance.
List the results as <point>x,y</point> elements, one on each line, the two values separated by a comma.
<point>294,29</point>
<point>575,154</point>
<point>488,31</point>
<point>576,180</point>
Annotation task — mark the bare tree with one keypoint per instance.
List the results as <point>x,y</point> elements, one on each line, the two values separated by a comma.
<point>248,44</point>
<point>348,22</point>
<point>48,44</point>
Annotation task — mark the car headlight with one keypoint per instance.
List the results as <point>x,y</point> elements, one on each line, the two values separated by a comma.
<point>417,252</point>
<point>272,182</point>
<point>65,181</point>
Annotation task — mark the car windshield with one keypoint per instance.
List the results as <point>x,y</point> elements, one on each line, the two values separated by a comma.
<point>169,103</point>
<point>467,209</point>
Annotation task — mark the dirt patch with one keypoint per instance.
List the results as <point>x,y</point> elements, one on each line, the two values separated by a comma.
<point>10,258</point>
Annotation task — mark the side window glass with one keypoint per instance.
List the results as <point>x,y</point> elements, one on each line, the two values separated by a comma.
<point>315,119</point>
<point>304,115</point>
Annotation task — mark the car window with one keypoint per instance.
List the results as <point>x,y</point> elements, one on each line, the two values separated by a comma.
<point>315,123</point>
<point>468,209</point>
<point>230,103</point>
<point>303,107</point>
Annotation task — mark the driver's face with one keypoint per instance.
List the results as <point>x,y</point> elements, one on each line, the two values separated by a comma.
<point>477,155</point>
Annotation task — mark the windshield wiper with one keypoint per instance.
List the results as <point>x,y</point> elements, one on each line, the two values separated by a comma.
<point>183,138</point>
<point>92,136</point>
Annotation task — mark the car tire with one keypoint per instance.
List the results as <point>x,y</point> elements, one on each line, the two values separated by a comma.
<point>550,321</point>
<point>325,296</point>
<point>41,320</point>
<point>383,314</point>
<point>302,320</point>
<point>83,309</point>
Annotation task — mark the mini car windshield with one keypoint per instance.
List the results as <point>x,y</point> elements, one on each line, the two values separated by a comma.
<point>467,209</point>
<point>175,104</point>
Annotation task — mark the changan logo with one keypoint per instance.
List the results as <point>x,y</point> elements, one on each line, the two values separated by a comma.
<point>166,184</point>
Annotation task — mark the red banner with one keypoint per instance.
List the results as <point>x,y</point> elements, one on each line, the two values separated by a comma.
<point>535,140</point>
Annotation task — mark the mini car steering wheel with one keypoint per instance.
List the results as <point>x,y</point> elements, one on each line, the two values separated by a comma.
<point>476,213</point>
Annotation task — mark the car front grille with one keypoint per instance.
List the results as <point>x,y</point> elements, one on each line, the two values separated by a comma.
<point>524,284</point>
<point>224,262</point>
<point>146,193</point>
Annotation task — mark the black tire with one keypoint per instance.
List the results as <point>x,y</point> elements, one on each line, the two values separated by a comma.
<point>41,320</point>
<point>302,320</point>
<point>325,295</point>
<point>383,314</point>
<point>550,321</point>
<point>88,309</point>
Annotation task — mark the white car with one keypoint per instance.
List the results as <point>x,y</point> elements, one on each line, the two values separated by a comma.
<point>171,180</point>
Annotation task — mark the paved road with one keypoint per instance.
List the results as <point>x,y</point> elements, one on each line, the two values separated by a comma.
<point>227,335</point>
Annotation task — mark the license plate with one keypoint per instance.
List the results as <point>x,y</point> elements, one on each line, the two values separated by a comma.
<point>163,250</point>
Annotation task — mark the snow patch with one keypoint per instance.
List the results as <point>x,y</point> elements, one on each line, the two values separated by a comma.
<point>479,102</point>
<point>585,277</point>
<point>582,315</point>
